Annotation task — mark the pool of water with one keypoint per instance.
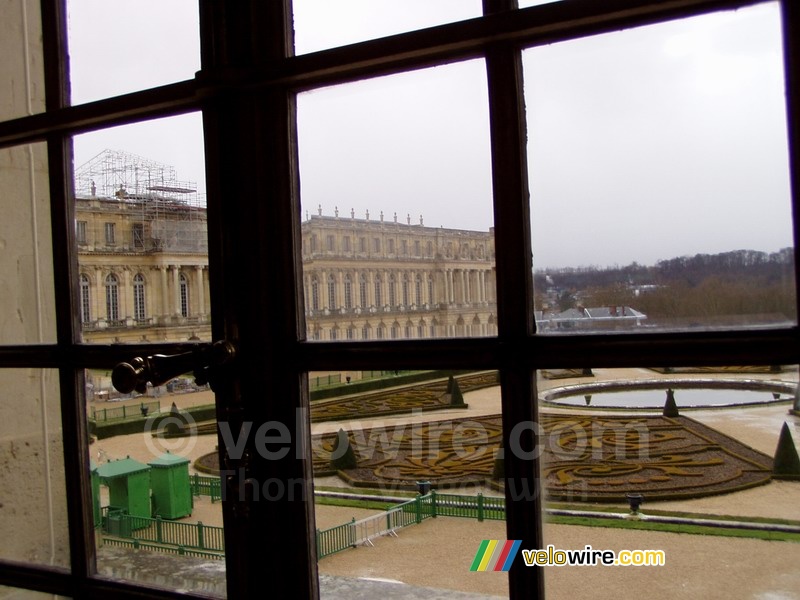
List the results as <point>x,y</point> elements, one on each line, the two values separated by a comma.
<point>655,398</point>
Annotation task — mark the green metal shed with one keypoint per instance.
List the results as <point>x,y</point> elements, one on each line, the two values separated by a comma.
<point>128,483</point>
<point>172,491</point>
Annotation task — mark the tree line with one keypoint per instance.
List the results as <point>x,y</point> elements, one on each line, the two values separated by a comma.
<point>741,282</point>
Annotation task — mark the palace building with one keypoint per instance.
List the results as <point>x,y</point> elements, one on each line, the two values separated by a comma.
<point>143,255</point>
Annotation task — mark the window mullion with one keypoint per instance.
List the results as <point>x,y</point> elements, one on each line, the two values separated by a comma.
<point>515,309</point>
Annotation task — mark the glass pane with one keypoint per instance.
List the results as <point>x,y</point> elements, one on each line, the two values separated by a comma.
<point>119,47</point>
<point>156,486</point>
<point>641,459</point>
<point>659,177</point>
<point>527,3</point>
<point>423,445</point>
<point>33,518</point>
<point>142,234</point>
<point>398,238</point>
<point>9,593</point>
<point>26,261</point>
<point>321,24</point>
<point>23,58</point>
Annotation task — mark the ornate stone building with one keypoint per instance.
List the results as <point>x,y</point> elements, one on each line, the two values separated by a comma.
<point>142,250</point>
<point>367,279</point>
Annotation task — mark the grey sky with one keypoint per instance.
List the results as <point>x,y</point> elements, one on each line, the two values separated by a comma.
<point>645,144</point>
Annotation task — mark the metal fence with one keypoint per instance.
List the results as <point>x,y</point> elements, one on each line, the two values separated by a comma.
<point>206,486</point>
<point>116,413</point>
<point>161,531</point>
<point>138,545</point>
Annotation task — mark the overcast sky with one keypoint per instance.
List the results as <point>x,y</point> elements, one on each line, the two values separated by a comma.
<point>643,144</point>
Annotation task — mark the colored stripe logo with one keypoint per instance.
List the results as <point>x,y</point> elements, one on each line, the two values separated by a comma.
<point>495,555</point>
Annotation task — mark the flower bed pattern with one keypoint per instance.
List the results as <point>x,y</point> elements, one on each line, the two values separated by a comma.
<point>593,458</point>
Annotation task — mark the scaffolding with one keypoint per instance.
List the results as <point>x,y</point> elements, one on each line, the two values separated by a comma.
<point>165,214</point>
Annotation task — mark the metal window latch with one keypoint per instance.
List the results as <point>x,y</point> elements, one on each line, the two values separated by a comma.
<point>160,368</point>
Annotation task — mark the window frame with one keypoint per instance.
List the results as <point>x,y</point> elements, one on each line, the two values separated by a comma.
<point>249,42</point>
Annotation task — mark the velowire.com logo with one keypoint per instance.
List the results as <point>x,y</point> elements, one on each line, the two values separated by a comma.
<point>495,555</point>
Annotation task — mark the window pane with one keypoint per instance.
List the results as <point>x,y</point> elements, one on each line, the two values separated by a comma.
<point>26,260</point>
<point>683,444</point>
<point>659,177</point>
<point>142,232</point>
<point>9,593</point>
<point>424,444</point>
<point>21,68</point>
<point>321,24</point>
<point>33,518</point>
<point>156,485</point>
<point>119,47</point>
<point>398,239</point>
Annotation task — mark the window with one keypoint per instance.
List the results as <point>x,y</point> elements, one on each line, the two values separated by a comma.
<point>139,310</point>
<point>348,292</point>
<point>392,291</point>
<point>80,232</point>
<point>346,243</point>
<point>418,292</point>
<point>138,236</point>
<point>315,293</point>
<point>390,243</point>
<point>331,292</point>
<point>362,244</point>
<point>183,283</point>
<point>112,297</point>
<point>362,291</point>
<point>331,243</point>
<point>86,299</point>
<point>255,168</point>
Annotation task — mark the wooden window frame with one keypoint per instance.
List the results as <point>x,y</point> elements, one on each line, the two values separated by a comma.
<point>246,91</point>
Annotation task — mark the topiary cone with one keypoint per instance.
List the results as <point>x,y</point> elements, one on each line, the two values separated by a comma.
<point>670,408</point>
<point>456,397</point>
<point>787,462</point>
<point>343,456</point>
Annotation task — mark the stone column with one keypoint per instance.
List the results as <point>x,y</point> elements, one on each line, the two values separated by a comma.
<point>176,290</point>
<point>100,295</point>
<point>126,300</point>
<point>164,292</point>
<point>201,292</point>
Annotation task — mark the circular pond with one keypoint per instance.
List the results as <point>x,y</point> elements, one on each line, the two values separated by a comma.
<point>687,394</point>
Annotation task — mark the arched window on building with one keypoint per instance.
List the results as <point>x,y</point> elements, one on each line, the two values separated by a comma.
<point>112,297</point>
<point>418,291</point>
<point>348,292</point>
<point>331,292</point>
<point>380,333</point>
<point>392,292</point>
<point>409,329</point>
<point>431,300</point>
<point>362,291</point>
<point>395,330</point>
<point>184,291</point>
<point>86,299</point>
<point>405,290</point>
<point>314,293</point>
<point>139,310</point>
<point>378,295</point>
<point>365,331</point>
<point>421,329</point>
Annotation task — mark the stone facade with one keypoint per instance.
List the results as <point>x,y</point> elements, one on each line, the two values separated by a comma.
<point>144,275</point>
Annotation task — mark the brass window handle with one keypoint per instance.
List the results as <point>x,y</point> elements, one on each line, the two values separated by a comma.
<point>160,368</point>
